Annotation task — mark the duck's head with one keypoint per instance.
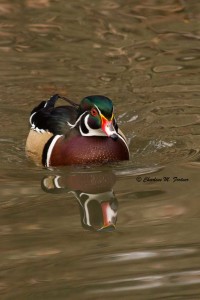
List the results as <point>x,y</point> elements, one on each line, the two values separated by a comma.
<point>96,117</point>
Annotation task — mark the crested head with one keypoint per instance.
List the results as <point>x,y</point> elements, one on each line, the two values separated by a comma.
<point>95,117</point>
<point>102,103</point>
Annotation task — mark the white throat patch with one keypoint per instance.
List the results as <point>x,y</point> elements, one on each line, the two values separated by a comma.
<point>91,131</point>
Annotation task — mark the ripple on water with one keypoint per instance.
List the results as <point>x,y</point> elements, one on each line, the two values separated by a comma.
<point>138,255</point>
<point>148,282</point>
<point>166,68</point>
<point>188,58</point>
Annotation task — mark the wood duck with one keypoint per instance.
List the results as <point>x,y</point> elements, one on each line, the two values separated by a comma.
<point>94,194</point>
<point>75,134</point>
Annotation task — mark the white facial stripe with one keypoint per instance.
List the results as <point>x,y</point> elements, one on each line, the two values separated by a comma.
<point>51,149</point>
<point>74,125</point>
<point>100,110</point>
<point>91,131</point>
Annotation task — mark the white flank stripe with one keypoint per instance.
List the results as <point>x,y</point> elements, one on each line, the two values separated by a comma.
<point>51,149</point>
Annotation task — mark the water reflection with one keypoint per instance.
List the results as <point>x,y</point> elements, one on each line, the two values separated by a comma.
<point>94,194</point>
<point>149,282</point>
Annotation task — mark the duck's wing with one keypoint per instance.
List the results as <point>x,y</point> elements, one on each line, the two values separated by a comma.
<point>47,117</point>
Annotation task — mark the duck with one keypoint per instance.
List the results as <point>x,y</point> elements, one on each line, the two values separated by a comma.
<point>94,194</point>
<point>75,134</point>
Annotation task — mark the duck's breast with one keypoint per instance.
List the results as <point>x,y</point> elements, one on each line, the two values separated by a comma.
<point>86,150</point>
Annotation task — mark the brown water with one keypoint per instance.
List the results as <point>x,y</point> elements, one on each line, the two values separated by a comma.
<point>145,56</point>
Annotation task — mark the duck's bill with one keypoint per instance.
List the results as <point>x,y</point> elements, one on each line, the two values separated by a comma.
<point>108,128</point>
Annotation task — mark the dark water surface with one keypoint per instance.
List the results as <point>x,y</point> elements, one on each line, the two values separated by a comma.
<point>145,56</point>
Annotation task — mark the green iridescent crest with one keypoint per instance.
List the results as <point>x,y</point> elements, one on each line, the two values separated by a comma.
<point>103,103</point>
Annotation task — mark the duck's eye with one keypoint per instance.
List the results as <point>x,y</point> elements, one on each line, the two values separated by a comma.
<point>94,112</point>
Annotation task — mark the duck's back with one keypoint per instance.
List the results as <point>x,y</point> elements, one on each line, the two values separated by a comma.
<point>47,117</point>
<point>46,120</point>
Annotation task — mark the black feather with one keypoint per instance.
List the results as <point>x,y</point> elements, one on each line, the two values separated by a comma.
<point>54,119</point>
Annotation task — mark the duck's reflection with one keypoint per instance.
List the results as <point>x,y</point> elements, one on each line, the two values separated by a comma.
<point>94,193</point>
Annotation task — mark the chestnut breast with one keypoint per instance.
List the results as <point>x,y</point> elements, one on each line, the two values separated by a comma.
<point>87,150</point>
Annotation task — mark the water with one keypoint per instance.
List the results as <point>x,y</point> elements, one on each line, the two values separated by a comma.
<point>54,242</point>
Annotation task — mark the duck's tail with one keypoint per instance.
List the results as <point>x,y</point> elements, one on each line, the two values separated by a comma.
<point>51,103</point>
<point>68,100</point>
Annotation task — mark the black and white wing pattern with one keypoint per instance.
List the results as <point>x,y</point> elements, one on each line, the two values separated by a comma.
<point>47,117</point>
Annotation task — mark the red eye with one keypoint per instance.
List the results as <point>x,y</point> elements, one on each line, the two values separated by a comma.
<point>94,112</point>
